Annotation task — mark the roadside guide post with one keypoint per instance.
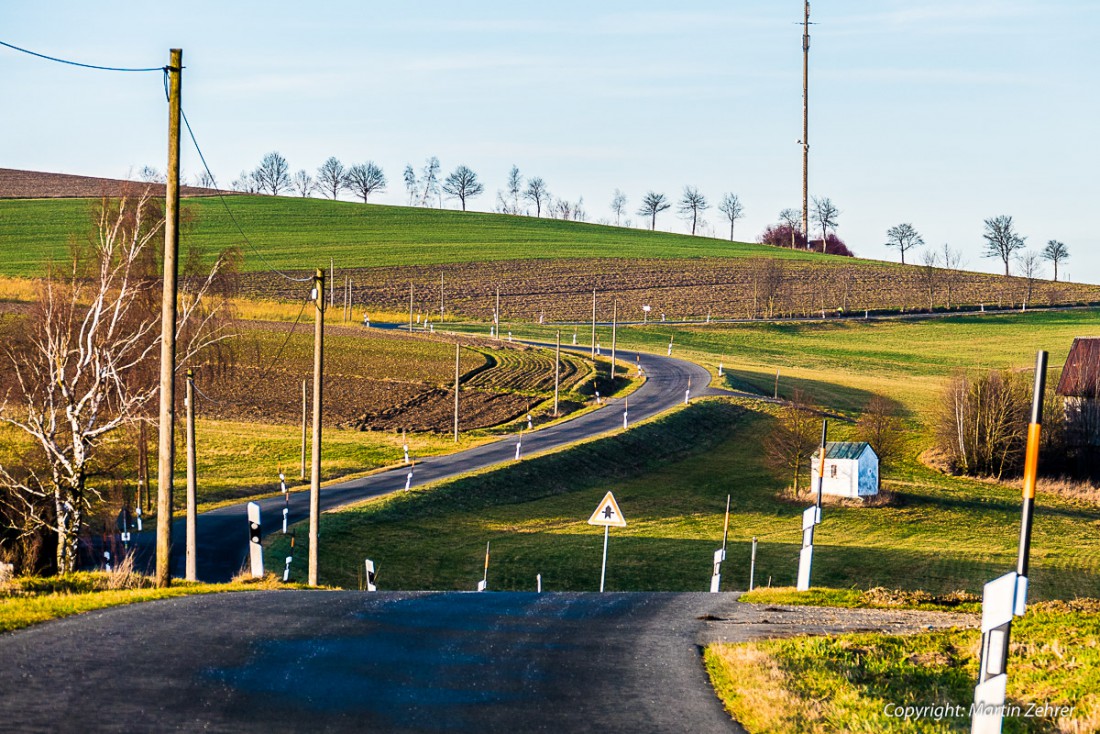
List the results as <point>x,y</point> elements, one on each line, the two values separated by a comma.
<point>609,515</point>
<point>484,583</point>
<point>720,554</point>
<point>1006,597</point>
<point>811,518</point>
<point>255,550</point>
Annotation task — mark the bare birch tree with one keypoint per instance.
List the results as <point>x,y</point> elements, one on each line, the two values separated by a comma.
<point>85,366</point>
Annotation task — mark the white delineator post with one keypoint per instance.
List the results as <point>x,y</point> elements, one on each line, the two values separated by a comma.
<point>255,550</point>
<point>484,583</point>
<point>810,519</point>
<point>720,554</point>
<point>1006,597</point>
<point>371,575</point>
<point>752,566</point>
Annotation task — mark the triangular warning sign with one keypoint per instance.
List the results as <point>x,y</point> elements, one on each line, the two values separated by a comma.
<point>608,513</point>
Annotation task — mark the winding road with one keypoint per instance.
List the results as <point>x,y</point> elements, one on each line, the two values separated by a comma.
<point>222,534</point>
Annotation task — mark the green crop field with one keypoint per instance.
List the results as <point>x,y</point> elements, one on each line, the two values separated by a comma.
<point>301,234</point>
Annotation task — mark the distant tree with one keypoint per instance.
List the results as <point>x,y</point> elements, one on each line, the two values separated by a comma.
<point>792,219</point>
<point>1030,265</point>
<point>245,183</point>
<point>205,180</point>
<point>462,184</point>
<point>652,205</point>
<point>366,178</point>
<point>825,214</point>
<point>1056,252</point>
<point>332,178</point>
<point>429,182</point>
<point>904,237</point>
<point>835,246</point>
<point>151,174</point>
<point>930,276</point>
<point>515,188</point>
<point>793,439</point>
<point>537,193</point>
<point>769,280</point>
<point>273,174</point>
<point>618,205</point>
<point>880,426</point>
<point>732,208</point>
<point>411,184</point>
<point>981,424</point>
<point>1001,239</point>
<point>691,205</point>
<point>952,271</point>
<point>304,183</point>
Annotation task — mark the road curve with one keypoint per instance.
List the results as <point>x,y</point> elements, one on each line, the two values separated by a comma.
<point>222,534</point>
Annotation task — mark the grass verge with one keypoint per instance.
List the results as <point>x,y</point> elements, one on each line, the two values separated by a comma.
<point>864,682</point>
<point>874,598</point>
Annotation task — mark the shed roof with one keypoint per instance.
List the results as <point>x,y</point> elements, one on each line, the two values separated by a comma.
<point>846,449</point>
<point>1081,374</point>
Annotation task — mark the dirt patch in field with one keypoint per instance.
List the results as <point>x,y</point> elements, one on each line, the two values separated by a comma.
<point>15,184</point>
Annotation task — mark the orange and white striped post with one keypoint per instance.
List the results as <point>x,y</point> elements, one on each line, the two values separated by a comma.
<point>1006,597</point>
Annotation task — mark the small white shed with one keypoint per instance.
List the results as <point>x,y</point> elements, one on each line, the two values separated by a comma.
<point>851,469</point>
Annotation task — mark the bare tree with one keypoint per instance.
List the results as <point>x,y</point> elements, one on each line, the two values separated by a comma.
<point>825,214</point>
<point>411,184</point>
<point>618,205</point>
<point>1001,239</point>
<point>952,271</point>
<point>691,205</point>
<point>273,174</point>
<point>151,174</point>
<point>537,193</point>
<point>429,182</point>
<point>880,426</point>
<point>1030,266</point>
<point>1056,252</point>
<point>82,367</point>
<point>205,181</point>
<point>930,276</point>
<point>793,438</point>
<point>769,281</point>
<point>332,178</point>
<point>792,219</point>
<point>732,208</point>
<point>462,184</point>
<point>904,237</point>
<point>982,422</point>
<point>366,178</point>
<point>652,205</point>
<point>245,183</point>
<point>515,188</point>
<point>304,183</point>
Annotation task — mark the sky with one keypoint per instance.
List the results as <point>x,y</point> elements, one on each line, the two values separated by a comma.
<point>941,114</point>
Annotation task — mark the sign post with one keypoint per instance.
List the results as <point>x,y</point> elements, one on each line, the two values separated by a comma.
<point>1006,597</point>
<point>609,515</point>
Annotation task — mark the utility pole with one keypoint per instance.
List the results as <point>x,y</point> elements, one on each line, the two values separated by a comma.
<point>166,456</point>
<point>614,336</point>
<point>456,391</point>
<point>557,371</point>
<point>496,314</point>
<point>315,458</point>
<point>303,472</point>
<point>190,572</point>
<point>331,282</point>
<point>806,125</point>
<point>442,318</point>
<point>593,324</point>
<point>410,307</point>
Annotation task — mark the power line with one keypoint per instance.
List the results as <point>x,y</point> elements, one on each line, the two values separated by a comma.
<point>77,63</point>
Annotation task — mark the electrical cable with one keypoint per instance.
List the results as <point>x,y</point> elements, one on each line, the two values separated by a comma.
<point>286,341</point>
<point>77,63</point>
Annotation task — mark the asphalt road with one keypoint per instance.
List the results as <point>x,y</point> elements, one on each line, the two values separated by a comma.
<point>222,534</point>
<point>359,662</point>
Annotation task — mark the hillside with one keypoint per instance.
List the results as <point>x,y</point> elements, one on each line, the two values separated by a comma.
<point>16,184</point>
<point>543,268</point>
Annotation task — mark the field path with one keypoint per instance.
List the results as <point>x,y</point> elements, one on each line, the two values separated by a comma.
<point>222,534</point>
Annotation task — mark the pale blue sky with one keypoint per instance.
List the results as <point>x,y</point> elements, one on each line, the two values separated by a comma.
<point>937,113</point>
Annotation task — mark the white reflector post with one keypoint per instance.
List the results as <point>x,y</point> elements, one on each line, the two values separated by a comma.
<point>998,605</point>
<point>255,550</point>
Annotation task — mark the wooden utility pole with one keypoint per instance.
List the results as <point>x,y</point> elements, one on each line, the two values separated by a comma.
<point>166,456</point>
<point>593,324</point>
<point>557,371</point>
<point>315,458</point>
<point>806,126</point>
<point>303,472</point>
<point>496,314</point>
<point>614,337</point>
<point>190,572</point>
<point>456,391</point>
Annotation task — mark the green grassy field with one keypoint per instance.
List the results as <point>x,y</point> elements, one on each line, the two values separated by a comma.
<point>858,682</point>
<point>297,233</point>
